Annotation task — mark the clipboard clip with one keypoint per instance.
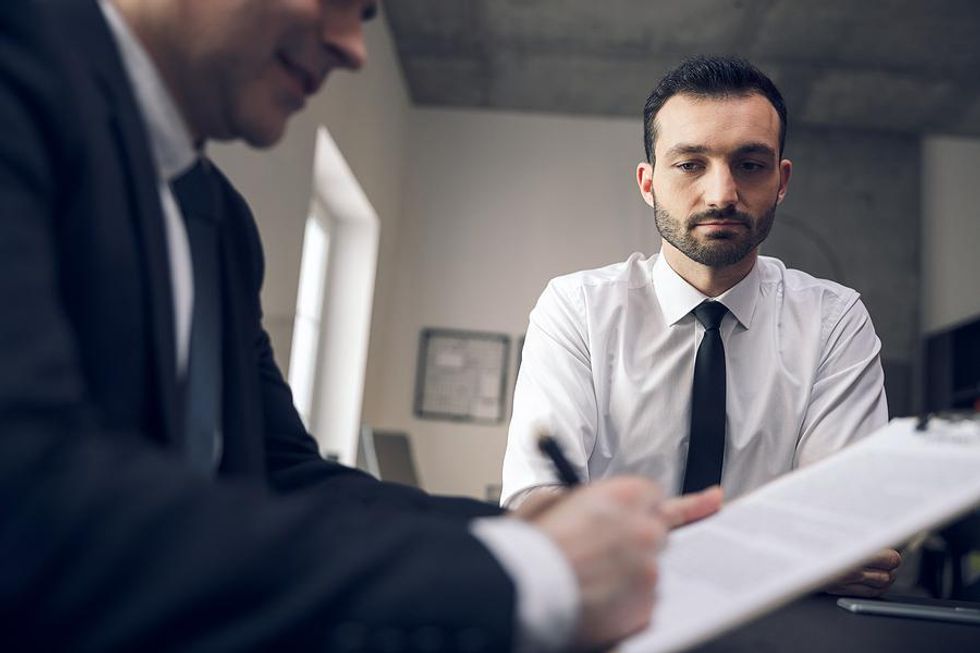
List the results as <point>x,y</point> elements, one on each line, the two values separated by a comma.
<point>923,422</point>
<point>952,416</point>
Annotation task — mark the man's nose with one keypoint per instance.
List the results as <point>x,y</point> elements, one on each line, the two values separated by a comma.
<point>343,34</point>
<point>720,190</point>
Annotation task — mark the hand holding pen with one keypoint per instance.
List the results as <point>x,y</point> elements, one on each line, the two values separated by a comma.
<point>610,532</point>
<point>677,511</point>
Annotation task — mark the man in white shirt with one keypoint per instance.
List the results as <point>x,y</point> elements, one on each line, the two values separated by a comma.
<point>626,366</point>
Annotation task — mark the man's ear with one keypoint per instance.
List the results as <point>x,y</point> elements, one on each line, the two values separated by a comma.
<point>644,179</point>
<point>785,172</point>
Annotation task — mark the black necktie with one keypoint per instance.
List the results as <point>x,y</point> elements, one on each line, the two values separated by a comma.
<point>197,193</point>
<point>706,448</point>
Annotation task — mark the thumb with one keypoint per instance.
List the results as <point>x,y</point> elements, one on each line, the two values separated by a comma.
<point>682,510</point>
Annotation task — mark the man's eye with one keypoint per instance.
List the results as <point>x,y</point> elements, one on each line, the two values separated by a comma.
<point>689,166</point>
<point>751,166</point>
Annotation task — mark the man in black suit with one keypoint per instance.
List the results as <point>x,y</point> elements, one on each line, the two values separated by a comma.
<point>158,490</point>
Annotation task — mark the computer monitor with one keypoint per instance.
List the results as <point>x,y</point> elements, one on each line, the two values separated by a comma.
<point>951,368</point>
<point>951,382</point>
<point>387,455</point>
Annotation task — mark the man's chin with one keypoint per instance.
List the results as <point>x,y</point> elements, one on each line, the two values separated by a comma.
<point>720,252</point>
<point>262,130</point>
<point>265,137</point>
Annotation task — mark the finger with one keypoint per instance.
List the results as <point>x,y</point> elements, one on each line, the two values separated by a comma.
<point>855,589</point>
<point>871,577</point>
<point>655,533</point>
<point>649,574</point>
<point>877,578</point>
<point>886,559</point>
<point>633,492</point>
<point>848,578</point>
<point>688,508</point>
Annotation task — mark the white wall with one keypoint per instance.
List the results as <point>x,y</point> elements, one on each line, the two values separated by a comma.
<point>495,205</point>
<point>950,231</point>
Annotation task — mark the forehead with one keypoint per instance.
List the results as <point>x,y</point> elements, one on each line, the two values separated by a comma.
<point>718,124</point>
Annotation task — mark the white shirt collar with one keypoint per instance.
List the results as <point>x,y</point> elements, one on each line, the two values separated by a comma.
<point>678,298</point>
<point>170,140</point>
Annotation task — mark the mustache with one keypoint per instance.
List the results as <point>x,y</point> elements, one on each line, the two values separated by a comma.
<point>728,214</point>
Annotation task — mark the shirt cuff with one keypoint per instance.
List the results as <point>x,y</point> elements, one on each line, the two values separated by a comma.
<point>547,591</point>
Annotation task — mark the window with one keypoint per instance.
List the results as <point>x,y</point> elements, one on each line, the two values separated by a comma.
<point>309,309</point>
<point>333,307</point>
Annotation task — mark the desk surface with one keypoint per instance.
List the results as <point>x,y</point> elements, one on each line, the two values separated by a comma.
<point>816,625</point>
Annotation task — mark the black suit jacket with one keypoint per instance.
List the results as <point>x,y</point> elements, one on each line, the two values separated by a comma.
<point>107,540</point>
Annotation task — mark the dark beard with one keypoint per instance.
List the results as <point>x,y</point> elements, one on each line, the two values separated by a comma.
<point>721,250</point>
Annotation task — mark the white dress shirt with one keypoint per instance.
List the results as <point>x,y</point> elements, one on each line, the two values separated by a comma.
<point>608,367</point>
<point>547,591</point>
<point>173,153</point>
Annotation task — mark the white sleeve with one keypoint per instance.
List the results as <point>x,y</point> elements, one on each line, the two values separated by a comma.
<point>554,393</point>
<point>847,401</point>
<point>547,591</point>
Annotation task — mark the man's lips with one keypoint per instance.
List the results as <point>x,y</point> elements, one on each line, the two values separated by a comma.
<point>308,81</point>
<point>721,223</point>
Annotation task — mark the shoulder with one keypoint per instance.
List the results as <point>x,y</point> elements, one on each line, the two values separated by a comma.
<point>798,288</point>
<point>632,273</point>
<point>810,302</point>
<point>234,201</point>
<point>569,300</point>
<point>587,290</point>
<point>40,138</point>
<point>242,226</point>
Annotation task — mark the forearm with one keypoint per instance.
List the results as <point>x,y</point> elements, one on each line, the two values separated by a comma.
<point>174,559</point>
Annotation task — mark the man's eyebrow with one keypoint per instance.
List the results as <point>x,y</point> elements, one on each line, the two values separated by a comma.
<point>682,149</point>
<point>686,148</point>
<point>756,148</point>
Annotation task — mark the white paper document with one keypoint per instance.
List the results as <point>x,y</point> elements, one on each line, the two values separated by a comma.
<point>808,527</point>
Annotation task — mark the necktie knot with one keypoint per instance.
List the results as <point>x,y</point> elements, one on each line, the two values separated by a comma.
<point>710,314</point>
<point>196,191</point>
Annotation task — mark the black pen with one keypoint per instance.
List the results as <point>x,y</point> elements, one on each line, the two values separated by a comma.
<point>550,447</point>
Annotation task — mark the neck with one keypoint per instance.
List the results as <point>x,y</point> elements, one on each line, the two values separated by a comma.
<point>148,27</point>
<point>708,280</point>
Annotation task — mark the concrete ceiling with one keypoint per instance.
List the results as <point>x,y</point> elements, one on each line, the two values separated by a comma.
<point>899,65</point>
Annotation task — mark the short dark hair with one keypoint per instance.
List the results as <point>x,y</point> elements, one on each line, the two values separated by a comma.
<point>711,77</point>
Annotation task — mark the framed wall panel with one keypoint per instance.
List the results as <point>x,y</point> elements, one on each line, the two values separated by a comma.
<point>462,375</point>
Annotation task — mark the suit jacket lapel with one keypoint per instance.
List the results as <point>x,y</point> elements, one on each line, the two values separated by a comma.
<point>242,416</point>
<point>132,144</point>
